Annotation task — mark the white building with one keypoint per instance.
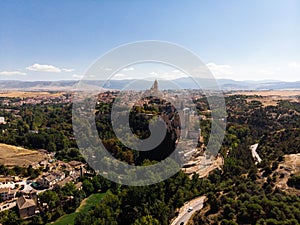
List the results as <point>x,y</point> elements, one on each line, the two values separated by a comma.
<point>7,194</point>
<point>2,120</point>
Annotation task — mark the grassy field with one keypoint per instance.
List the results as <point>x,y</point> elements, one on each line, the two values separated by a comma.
<point>85,205</point>
<point>12,155</point>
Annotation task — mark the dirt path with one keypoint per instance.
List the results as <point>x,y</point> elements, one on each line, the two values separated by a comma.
<point>83,203</point>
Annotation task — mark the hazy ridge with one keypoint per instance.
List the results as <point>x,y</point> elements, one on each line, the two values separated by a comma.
<point>224,84</point>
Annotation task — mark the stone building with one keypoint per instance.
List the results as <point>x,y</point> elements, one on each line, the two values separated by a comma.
<point>26,206</point>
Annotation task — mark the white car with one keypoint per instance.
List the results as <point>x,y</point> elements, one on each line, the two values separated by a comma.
<point>190,209</point>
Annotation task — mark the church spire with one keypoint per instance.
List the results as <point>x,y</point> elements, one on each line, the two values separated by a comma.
<point>154,89</point>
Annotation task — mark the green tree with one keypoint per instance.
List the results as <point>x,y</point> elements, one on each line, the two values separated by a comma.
<point>9,217</point>
<point>87,186</point>
<point>146,220</point>
<point>50,198</point>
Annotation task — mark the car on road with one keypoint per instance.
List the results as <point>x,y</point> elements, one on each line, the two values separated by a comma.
<point>190,209</point>
<point>182,223</point>
<point>28,181</point>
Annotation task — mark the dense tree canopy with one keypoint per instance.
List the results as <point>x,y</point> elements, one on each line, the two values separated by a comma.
<point>241,192</point>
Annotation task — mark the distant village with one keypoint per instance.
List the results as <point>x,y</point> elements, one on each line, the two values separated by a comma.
<point>38,99</point>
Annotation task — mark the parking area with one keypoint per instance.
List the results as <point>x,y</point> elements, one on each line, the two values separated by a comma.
<point>23,185</point>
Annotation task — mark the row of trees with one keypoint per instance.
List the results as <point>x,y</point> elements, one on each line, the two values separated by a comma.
<point>20,171</point>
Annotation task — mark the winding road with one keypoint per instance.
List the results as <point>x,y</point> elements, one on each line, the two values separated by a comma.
<point>184,215</point>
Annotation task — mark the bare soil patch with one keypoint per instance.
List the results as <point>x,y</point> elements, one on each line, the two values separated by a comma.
<point>283,93</point>
<point>203,167</point>
<point>28,94</point>
<point>269,98</point>
<point>291,165</point>
<point>12,155</point>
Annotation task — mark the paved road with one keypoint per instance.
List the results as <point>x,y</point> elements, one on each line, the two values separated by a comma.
<point>11,185</point>
<point>8,206</point>
<point>254,153</point>
<point>27,186</point>
<point>184,215</point>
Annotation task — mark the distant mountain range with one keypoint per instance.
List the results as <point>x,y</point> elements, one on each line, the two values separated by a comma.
<point>185,83</point>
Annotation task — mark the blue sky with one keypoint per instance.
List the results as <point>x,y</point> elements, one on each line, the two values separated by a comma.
<point>58,40</point>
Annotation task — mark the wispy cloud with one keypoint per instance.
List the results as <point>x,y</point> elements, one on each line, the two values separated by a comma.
<point>107,68</point>
<point>43,68</point>
<point>77,76</point>
<point>47,68</point>
<point>128,69</point>
<point>167,75</point>
<point>153,74</point>
<point>81,76</point>
<point>67,70</point>
<point>12,73</point>
<point>120,75</point>
<point>269,71</point>
<point>220,70</point>
<point>294,64</point>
